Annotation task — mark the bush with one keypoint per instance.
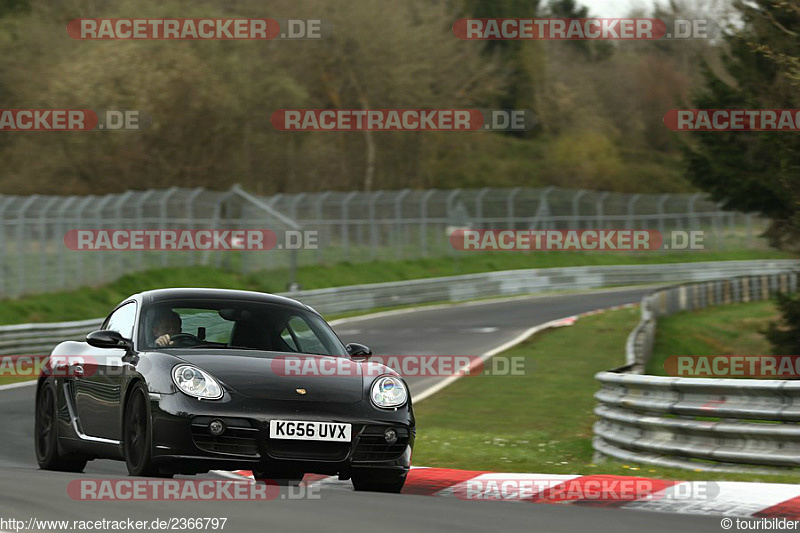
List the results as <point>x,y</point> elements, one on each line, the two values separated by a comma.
<point>784,334</point>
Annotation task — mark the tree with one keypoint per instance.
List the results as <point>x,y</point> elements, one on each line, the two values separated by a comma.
<point>754,171</point>
<point>784,335</point>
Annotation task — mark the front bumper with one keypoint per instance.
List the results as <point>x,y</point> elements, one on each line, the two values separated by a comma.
<point>182,442</point>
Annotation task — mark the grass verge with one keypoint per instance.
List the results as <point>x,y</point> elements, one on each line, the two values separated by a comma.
<point>540,422</point>
<point>734,329</point>
<point>97,301</point>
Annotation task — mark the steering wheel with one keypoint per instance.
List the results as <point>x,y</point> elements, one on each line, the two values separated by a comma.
<point>184,339</point>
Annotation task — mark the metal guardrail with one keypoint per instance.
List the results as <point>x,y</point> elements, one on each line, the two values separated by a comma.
<point>698,423</point>
<point>41,338</point>
<point>29,339</point>
<point>519,282</point>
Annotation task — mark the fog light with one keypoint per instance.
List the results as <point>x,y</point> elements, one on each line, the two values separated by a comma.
<point>216,427</point>
<point>390,435</point>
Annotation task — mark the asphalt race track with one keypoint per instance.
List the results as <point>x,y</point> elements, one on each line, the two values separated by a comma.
<point>470,329</point>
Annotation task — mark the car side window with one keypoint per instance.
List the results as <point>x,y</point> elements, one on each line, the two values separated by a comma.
<point>288,339</point>
<point>298,330</point>
<point>122,320</point>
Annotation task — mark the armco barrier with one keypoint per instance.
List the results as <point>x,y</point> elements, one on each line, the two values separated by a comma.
<point>707,424</point>
<point>41,338</point>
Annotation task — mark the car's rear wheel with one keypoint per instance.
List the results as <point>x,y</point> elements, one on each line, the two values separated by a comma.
<point>376,482</point>
<point>46,435</point>
<point>138,434</point>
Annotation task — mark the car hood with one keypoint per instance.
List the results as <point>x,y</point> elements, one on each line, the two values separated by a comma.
<point>281,376</point>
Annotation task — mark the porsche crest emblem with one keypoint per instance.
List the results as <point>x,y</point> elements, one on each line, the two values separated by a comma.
<point>300,391</point>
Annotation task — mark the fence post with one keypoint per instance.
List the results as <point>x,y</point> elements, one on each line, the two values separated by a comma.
<point>543,209</point>
<point>117,207</point>
<point>296,200</point>
<point>21,247</point>
<point>398,225</point>
<point>576,214</point>
<point>345,227</point>
<point>510,206</point>
<point>43,241</point>
<point>3,251</point>
<point>599,209</point>
<point>631,207</point>
<point>320,201</point>
<point>163,213</point>
<point>479,206</point>
<point>693,223</point>
<point>62,267</point>
<point>423,226</point>
<point>449,203</point>
<point>98,220</point>
<point>191,223</point>
<point>661,201</point>
<point>719,227</point>
<point>293,252</point>
<point>217,221</point>
<point>81,272</point>
<point>373,230</point>
<point>140,221</point>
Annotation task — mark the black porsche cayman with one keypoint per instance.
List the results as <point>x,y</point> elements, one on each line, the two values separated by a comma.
<point>183,381</point>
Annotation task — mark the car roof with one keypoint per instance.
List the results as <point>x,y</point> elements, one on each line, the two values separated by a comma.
<point>157,295</point>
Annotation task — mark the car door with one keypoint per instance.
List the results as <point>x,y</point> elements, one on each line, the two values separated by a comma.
<point>97,392</point>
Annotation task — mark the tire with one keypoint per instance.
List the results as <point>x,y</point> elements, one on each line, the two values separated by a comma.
<point>138,434</point>
<point>390,483</point>
<point>283,478</point>
<point>46,435</point>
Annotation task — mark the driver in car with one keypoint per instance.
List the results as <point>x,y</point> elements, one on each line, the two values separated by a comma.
<point>166,324</point>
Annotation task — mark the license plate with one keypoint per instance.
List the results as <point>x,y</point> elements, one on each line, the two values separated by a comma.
<point>302,430</point>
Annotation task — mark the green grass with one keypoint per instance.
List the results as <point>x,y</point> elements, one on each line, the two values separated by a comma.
<point>540,422</point>
<point>96,301</point>
<point>7,380</point>
<point>734,329</point>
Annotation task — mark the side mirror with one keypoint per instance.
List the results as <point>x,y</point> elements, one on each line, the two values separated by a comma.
<point>105,338</point>
<point>358,352</point>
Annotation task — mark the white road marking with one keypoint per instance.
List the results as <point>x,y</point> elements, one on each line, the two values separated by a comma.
<point>17,386</point>
<point>430,391</point>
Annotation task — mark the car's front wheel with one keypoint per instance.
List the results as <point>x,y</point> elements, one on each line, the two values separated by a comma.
<point>46,435</point>
<point>376,482</point>
<point>138,434</point>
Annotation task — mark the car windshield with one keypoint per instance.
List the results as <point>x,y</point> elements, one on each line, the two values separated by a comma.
<point>247,325</point>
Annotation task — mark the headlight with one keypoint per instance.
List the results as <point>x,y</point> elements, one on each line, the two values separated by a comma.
<point>194,382</point>
<point>388,391</point>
